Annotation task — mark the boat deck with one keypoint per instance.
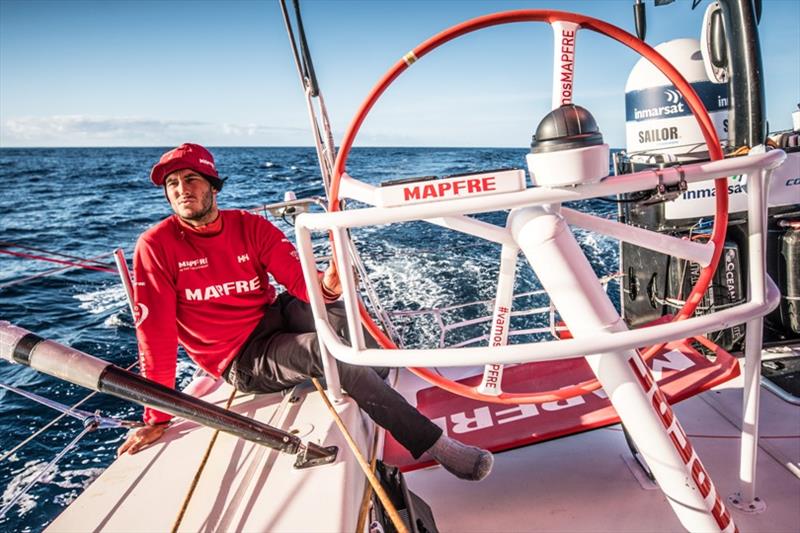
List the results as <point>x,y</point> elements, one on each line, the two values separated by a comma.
<point>584,482</point>
<point>590,481</point>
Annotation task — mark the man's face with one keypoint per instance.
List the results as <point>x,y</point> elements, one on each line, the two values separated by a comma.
<point>191,197</point>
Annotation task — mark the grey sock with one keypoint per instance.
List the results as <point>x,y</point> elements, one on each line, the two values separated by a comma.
<point>464,462</point>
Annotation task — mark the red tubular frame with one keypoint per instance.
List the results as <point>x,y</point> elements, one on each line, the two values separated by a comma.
<point>534,15</point>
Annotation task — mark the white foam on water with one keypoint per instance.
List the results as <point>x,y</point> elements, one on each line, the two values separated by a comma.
<point>102,300</point>
<point>119,319</point>
<point>21,480</point>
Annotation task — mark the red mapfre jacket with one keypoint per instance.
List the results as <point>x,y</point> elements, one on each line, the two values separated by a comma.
<point>206,291</point>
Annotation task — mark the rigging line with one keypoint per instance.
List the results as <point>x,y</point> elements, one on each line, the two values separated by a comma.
<point>59,261</point>
<point>36,276</point>
<point>83,416</point>
<point>365,498</point>
<point>398,523</point>
<point>293,41</point>
<point>51,423</point>
<point>199,472</point>
<point>46,273</point>
<point>308,66</point>
<point>6,244</point>
<point>89,427</point>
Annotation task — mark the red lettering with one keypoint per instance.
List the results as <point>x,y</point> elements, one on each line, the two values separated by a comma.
<point>720,514</point>
<point>701,478</point>
<point>428,191</point>
<point>473,185</point>
<point>641,373</point>
<point>684,448</point>
<point>444,187</point>
<point>489,184</point>
<point>457,186</point>
<point>663,409</point>
<point>411,193</point>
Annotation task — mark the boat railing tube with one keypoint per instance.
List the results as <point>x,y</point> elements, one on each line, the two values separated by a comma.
<point>20,346</point>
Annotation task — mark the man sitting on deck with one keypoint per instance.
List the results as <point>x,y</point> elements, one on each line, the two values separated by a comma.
<point>201,280</point>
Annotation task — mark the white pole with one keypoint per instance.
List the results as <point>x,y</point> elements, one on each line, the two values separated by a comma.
<point>747,500</point>
<point>578,295</point>
<point>125,277</point>
<point>308,263</point>
<point>492,382</point>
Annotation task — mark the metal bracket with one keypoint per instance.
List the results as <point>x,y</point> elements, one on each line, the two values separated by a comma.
<point>666,192</point>
<point>756,506</point>
<point>314,455</point>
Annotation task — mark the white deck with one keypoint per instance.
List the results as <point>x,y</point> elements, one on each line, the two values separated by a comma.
<point>585,482</point>
<point>589,482</point>
<point>244,487</point>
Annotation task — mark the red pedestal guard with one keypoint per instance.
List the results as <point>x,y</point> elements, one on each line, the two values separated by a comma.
<point>500,427</point>
<point>549,16</point>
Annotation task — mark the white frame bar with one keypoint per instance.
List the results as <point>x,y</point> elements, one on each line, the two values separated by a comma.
<point>492,381</point>
<point>452,210</point>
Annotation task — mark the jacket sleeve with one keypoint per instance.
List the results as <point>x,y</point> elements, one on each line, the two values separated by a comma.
<point>279,257</point>
<point>156,327</point>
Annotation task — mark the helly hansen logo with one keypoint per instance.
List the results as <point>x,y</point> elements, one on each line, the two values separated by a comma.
<point>228,288</point>
<point>243,258</point>
<point>193,264</point>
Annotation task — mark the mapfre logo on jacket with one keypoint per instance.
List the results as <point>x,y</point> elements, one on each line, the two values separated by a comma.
<point>211,292</point>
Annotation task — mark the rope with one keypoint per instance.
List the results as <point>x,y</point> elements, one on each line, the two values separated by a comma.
<point>199,472</point>
<point>52,422</point>
<point>59,261</point>
<point>362,512</point>
<point>35,276</point>
<point>398,523</point>
<point>5,244</point>
<point>91,426</point>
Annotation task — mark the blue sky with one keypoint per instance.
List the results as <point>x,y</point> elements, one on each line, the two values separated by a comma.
<point>158,73</point>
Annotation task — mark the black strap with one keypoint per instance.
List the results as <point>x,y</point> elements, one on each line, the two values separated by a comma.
<point>24,347</point>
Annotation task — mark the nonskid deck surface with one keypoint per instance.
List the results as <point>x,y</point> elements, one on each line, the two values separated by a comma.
<point>244,486</point>
<point>585,482</point>
<point>590,482</point>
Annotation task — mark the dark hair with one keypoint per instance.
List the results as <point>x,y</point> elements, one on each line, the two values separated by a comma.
<point>216,183</point>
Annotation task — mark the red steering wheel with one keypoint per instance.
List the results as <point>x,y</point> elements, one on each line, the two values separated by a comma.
<point>550,16</point>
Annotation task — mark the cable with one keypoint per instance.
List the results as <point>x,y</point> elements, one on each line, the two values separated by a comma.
<point>398,523</point>
<point>199,472</point>
<point>91,426</point>
<point>51,423</point>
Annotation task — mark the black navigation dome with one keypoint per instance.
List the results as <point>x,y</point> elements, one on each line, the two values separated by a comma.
<point>565,128</point>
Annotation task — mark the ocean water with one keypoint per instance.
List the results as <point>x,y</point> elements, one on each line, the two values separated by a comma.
<point>86,202</point>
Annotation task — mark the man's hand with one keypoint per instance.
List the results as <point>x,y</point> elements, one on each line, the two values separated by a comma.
<point>331,284</point>
<point>140,438</point>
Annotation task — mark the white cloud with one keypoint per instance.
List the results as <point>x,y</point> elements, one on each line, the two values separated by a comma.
<point>82,130</point>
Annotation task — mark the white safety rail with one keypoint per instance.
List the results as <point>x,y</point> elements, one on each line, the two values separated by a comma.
<point>542,314</point>
<point>452,214</point>
<point>538,227</point>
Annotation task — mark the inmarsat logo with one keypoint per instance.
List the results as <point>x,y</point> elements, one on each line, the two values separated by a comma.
<point>675,106</point>
<point>673,96</point>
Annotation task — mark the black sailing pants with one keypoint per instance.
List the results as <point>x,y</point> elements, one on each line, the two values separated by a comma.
<point>283,351</point>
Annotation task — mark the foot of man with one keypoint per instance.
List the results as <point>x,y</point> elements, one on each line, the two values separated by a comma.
<point>464,462</point>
